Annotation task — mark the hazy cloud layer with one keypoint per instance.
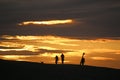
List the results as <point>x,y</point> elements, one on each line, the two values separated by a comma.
<point>25,52</point>
<point>93,18</point>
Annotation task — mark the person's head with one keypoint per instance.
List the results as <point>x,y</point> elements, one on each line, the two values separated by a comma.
<point>83,53</point>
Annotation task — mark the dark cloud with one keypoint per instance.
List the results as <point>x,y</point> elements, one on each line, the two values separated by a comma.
<point>14,52</point>
<point>25,52</point>
<point>1,47</point>
<point>53,51</point>
<point>99,18</point>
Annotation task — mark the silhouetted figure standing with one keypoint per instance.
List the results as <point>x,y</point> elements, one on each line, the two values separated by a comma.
<point>82,60</point>
<point>56,59</point>
<point>62,58</point>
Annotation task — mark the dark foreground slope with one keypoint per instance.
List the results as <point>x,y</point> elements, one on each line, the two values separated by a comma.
<point>14,70</point>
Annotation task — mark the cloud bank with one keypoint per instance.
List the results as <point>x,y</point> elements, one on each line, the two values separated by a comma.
<point>93,18</point>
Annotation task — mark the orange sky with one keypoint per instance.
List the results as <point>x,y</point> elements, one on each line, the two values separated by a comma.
<point>99,52</point>
<point>37,31</point>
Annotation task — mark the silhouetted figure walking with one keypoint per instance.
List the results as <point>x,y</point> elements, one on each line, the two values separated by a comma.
<point>62,58</point>
<point>82,60</point>
<point>56,59</point>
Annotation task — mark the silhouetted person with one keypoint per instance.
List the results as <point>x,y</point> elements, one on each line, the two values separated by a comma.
<point>56,59</point>
<point>82,60</point>
<point>62,58</point>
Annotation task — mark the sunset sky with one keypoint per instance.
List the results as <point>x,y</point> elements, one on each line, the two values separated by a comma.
<point>38,30</point>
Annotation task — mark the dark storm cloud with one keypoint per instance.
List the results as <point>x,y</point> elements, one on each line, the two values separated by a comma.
<point>100,18</point>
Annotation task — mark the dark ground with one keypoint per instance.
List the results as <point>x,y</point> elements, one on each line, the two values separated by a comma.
<point>14,70</point>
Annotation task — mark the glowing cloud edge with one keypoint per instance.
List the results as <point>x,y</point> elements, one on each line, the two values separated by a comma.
<point>49,22</point>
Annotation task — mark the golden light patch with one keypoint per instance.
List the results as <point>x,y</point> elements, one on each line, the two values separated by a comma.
<point>12,49</point>
<point>102,58</point>
<point>50,55</point>
<point>49,22</point>
<point>13,57</point>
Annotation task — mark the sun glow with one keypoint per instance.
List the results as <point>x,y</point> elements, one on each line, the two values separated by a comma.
<point>49,22</point>
<point>45,48</point>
